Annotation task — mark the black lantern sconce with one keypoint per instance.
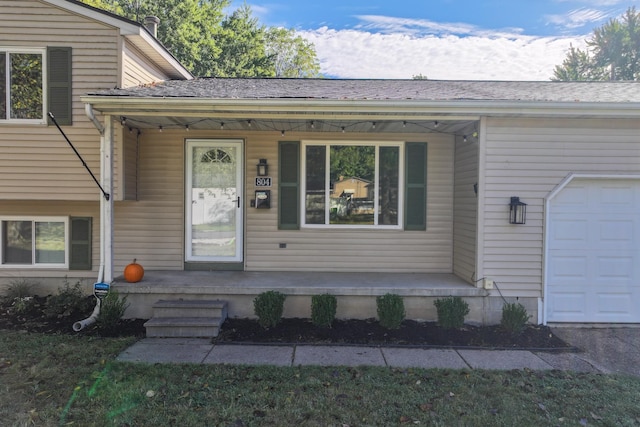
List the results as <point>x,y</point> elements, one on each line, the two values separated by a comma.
<point>517,211</point>
<point>263,167</point>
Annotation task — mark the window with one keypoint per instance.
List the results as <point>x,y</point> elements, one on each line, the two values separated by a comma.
<point>411,175</point>
<point>352,184</point>
<point>22,89</point>
<point>35,242</point>
<point>34,82</point>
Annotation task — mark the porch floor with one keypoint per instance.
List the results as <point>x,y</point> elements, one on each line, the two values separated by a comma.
<point>356,291</point>
<point>300,283</point>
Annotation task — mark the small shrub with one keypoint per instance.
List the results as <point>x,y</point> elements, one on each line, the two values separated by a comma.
<point>323,309</point>
<point>514,317</point>
<point>68,301</point>
<point>112,309</point>
<point>19,289</point>
<point>268,306</point>
<point>390,310</point>
<point>19,296</point>
<point>451,312</point>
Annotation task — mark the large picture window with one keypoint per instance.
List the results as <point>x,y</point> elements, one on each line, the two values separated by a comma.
<point>352,184</point>
<point>34,242</point>
<point>22,84</point>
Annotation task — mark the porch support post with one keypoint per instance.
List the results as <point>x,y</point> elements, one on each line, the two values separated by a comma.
<point>106,206</point>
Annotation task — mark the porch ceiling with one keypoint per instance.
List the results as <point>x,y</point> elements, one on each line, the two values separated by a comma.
<point>360,125</point>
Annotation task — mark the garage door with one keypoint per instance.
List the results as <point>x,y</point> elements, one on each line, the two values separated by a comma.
<point>593,252</point>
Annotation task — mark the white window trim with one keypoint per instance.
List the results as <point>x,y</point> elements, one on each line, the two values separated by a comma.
<point>33,264</point>
<point>377,144</point>
<point>43,52</point>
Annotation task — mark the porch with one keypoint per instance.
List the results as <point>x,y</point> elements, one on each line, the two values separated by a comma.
<point>355,291</point>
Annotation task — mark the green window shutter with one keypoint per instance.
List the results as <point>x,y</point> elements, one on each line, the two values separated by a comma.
<point>80,244</point>
<point>416,186</point>
<point>59,100</point>
<point>289,186</point>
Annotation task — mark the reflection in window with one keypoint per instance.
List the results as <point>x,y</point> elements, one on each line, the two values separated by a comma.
<point>33,242</point>
<point>16,242</point>
<point>21,78</point>
<point>354,185</point>
<point>50,243</point>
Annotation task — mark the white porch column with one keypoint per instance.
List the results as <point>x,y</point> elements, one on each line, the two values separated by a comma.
<point>106,206</point>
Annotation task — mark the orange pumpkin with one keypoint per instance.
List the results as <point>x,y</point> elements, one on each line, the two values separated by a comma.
<point>133,272</point>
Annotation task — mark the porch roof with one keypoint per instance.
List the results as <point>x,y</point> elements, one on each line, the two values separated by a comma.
<point>387,90</point>
<point>348,105</point>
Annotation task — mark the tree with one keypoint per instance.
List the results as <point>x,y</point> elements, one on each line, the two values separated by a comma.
<point>291,55</point>
<point>613,53</point>
<point>242,43</point>
<point>578,66</point>
<point>208,43</point>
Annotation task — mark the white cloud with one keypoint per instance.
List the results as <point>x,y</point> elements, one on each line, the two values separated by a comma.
<point>364,54</point>
<point>578,18</point>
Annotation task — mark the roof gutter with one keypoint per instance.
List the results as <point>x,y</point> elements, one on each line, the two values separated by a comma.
<point>400,108</point>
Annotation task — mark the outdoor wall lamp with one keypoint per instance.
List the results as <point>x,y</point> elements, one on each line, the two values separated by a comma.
<point>263,167</point>
<point>517,211</point>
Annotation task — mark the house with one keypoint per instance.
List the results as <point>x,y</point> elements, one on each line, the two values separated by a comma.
<point>223,189</point>
<point>51,53</point>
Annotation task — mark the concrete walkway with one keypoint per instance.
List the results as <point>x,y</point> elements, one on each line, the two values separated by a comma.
<point>606,351</point>
<point>189,350</point>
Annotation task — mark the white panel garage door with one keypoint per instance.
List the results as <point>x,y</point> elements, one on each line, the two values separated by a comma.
<point>593,264</point>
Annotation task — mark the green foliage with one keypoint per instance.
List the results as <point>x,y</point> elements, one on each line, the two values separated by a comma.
<point>291,55</point>
<point>613,53</point>
<point>323,309</point>
<point>68,301</point>
<point>268,306</point>
<point>514,317</point>
<point>19,294</point>
<point>209,43</point>
<point>242,42</point>
<point>112,309</point>
<point>451,312</point>
<point>390,310</point>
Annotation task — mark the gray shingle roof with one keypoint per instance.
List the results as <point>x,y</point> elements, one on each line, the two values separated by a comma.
<point>360,90</point>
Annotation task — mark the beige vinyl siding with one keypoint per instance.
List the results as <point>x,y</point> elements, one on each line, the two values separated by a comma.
<point>528,158</point>
<point>465,212</point>
<point>35,161</point>
<point>137,69</point>
<point>55,208</point>
<point>129,165</point>
<point>353,250</point>
<point>152,228</point>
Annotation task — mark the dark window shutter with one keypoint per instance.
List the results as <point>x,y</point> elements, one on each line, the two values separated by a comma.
<point>289,186</point>
<point>59,101</point>
<point>80,244</point>
<point>416,186</point>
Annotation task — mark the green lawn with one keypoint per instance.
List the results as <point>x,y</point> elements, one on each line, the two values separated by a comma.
<point>64,380</point>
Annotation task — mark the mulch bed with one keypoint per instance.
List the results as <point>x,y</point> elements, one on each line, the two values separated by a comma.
<point>369,332</point>
<point>301,331</point>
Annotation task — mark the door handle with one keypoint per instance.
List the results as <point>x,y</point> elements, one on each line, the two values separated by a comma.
<point>238,202</point>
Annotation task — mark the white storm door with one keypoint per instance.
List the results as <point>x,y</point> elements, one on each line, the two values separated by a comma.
<point>214,201</point>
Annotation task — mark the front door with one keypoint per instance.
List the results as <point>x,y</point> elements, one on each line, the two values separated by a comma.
<point>214,201</point>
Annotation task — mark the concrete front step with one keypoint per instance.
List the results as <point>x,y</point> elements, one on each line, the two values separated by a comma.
<point>190,308</point>
<point>183,327</point>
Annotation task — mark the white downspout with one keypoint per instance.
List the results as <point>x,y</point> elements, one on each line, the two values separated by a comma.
<point>105,272</point>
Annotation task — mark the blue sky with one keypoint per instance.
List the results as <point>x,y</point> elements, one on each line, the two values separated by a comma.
<point>442,39</point>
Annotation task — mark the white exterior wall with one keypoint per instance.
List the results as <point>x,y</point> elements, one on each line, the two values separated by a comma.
<point>528,158</point>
